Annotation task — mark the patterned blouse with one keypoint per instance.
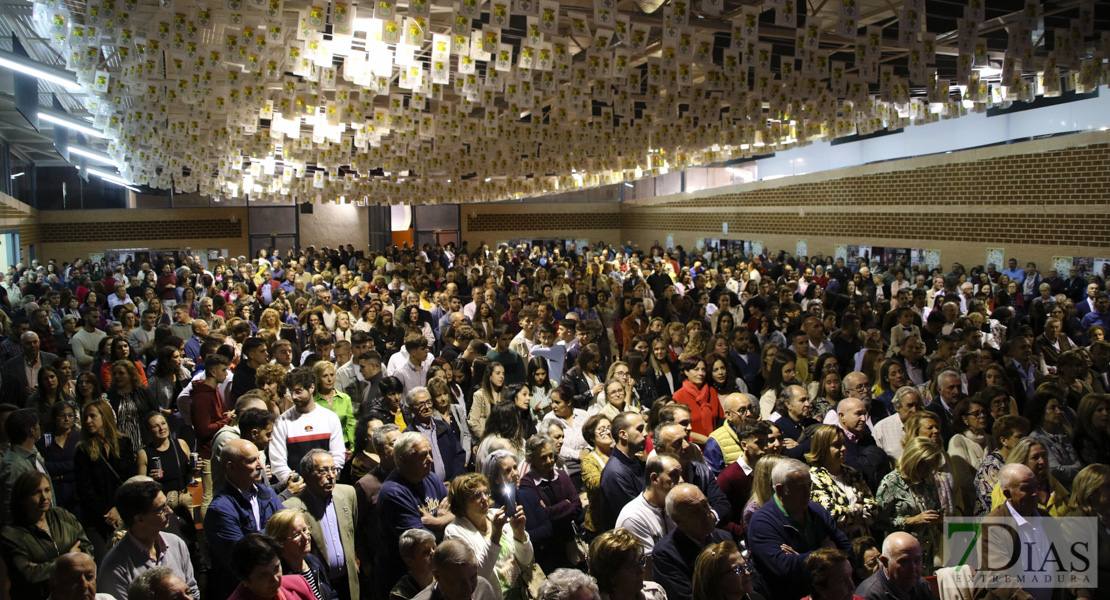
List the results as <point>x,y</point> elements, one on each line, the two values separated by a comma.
<point>853,515</point>
<point>899,500</point>
<point>591,480</point>
<point>985,479</point>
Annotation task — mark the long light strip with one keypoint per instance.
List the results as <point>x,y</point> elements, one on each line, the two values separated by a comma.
<point>34,68</point>
<point>99,157</point>
<point>70,122</point>
<point>111,178</point>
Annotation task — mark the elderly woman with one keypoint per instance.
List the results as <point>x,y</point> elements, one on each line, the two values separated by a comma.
<point>289,528</point>
<point>721,573</point>
<point>497,536</point>
<point>574,442</point>
<point>38,534</point>
<point>927,424</point>
<point>560,500</point>
<point>617,562</point>
<point>1052,496</point>
<point>1008,430</point>
<point>611,402</point>
<point>908,499</point>
<point>256,562</point>
<point>565,584</point>
<point>839,488</point>
<point>970,444</point>
<point>597,432</point>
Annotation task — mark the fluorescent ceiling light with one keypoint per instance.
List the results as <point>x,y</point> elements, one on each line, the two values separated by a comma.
<point>111,178</point>
<point>70,122</point>
<point>99,157</point>
<point>19,175</point>
<point>34,68</point>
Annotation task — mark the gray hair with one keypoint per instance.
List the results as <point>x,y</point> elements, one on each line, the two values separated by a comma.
<point>786,469</point>
<point>452,552</point>
<point>308,461</point>
<point>536,444</point>
<point>147,584</point>
<point>1010,474</point>
<point>947,373</point>
<point>563,583</point>
<point>405,445</point>
<point>380,439</point>
<point>552,424</point>
<point>412,539</point>
<point>491,466</point>
<point>900,395</point>
<point>410,398</point>
<point>488,445</point>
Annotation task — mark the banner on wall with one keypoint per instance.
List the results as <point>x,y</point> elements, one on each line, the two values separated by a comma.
<point>1085,265</point>
<point>1099,266</point>
<point>996,257</point>
<point>932,259</point>
<point>802,248</point>
<point>670,241</point>
<point>757,247</point>
<point>841,252</point>
<point>1062,264</point>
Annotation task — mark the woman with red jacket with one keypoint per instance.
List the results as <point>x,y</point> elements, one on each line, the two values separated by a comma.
<point>701,398</point>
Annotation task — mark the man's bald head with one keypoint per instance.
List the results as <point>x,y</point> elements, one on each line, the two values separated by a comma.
<point>73,577</point>
<point>852,414</point>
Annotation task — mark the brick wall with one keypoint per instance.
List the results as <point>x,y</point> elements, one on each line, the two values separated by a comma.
<point>544,221</point>
<point>1035,199</point>
<point>492,223</point>
<point>141,230</point>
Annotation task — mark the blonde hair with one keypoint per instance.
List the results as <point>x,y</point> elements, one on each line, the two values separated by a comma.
<point>269,312</point>
<point>823,439</point>
<point>319,369</point>
<point>712,564</point>
<point>109,435</point>
<point>1020,453</point>
<point>762,490</point>
<point>1085,488</point>
<point>919,453</point>
<point>913,424</point>
<point>280,525</point>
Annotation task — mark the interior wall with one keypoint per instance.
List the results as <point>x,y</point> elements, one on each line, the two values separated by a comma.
<point>17,215</point>
<point>67,235</point>
<point>332,224</point>
<point>498,222</point>
<point>1035,199</point>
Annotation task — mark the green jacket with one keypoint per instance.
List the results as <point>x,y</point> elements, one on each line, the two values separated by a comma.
<point>28,551</point>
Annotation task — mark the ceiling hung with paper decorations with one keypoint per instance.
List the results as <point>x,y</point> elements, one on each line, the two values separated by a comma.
<point>428,101</point>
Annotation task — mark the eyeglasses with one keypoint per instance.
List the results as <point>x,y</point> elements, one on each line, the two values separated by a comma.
<point>742,569</point>
<point>975,413</point>
<point>743,410</point>
<point>165,508</point>
<point>480,494</point>
<point>299,535</point>
<point>422,404</point>
<point>601,430</point>
<point>326,471</point>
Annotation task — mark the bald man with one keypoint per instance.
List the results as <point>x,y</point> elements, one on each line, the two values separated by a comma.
<point>1019,486</point>
<point>899,574</point>
<point>73,577</point>
<point>864,455</point>
<point>674,555</point>
<point>723,447</point>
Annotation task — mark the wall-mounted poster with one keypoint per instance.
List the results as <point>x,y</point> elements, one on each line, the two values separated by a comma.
<point>932,259</point>
<point>757,247</point>
<point>1100,267</point>
<point>996,257</point>
<point>841,252</point>
<point>1062,264</point>
<point>802,249</point>
<point>1085,264</point>
<point>917,257</point>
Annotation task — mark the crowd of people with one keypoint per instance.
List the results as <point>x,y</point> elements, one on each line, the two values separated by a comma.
<point>537,422</point>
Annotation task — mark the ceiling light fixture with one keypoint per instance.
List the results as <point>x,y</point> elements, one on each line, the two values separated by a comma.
<point>99,157</point>
<point>70,122</point>
<point>34,68</point>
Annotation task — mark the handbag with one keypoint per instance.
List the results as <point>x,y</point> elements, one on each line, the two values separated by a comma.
<point>531,578</point>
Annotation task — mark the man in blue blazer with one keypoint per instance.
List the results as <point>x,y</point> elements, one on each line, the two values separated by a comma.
<point>449,458</point>
<point>242,506</point>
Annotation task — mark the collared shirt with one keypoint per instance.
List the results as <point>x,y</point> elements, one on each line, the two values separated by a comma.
<point>1028,374</point>
<point>329,525</point>
<point>429,432</point>
<point>410,375</point>
<point>32,371</point>
<point>130,557</point>
<point>1033,535</point>
<point>915,373</point>
<point>744,465</point>
<point>251,496</point>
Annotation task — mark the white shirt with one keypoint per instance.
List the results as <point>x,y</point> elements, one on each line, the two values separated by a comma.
<point>888,435</point>
<point>410,375</point>
<point>649,523</point>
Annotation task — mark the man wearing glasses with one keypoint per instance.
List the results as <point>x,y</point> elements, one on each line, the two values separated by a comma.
<point>723,447</point>
<point>143,507</point>
<point>331,511</point>
<point>449,458</point>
